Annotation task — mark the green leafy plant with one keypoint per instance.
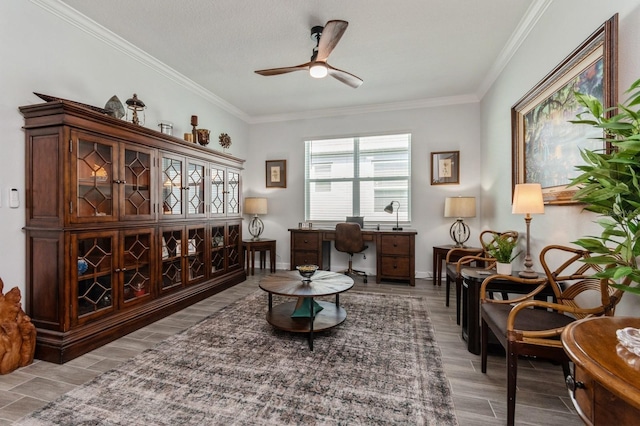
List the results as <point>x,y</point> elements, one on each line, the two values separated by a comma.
<point>609,186</point>
<point>502,247</point>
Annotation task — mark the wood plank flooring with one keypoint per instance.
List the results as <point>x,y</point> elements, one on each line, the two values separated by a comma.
<point>480,399</point>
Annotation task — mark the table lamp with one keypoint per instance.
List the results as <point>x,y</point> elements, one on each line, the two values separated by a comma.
<point>389,209</point>
<point>459,207</point>
<point>255,206</point>
<point>527,200</point>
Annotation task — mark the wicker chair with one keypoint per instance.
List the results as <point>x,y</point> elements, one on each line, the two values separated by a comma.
<point>528,327</point>
<point>458,258</point>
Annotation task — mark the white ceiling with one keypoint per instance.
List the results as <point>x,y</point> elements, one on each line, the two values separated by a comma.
<point>408,52</point>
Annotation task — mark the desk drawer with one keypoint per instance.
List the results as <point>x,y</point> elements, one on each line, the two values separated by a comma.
<point>306,258</point>
<point>395,267</point>
<point>395,244</point>
<point>306,241</point>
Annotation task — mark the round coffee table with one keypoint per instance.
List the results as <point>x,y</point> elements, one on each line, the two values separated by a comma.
<point>306,315</point>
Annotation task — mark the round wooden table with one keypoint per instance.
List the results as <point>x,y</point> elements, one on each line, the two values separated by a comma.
<point>605,384</point>
<point>306,315</point>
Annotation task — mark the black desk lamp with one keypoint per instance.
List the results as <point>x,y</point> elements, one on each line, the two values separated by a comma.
<point>389,209</point>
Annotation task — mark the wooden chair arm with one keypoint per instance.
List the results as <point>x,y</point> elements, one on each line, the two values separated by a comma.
<point>468,259</point>
<point>539,283</point>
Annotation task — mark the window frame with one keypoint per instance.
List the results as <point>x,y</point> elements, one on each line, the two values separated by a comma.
<point>357,180</point>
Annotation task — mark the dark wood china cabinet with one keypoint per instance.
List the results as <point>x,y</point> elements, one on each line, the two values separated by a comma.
<point>125,225</point>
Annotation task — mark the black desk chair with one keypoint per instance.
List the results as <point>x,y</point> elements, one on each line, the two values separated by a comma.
<point>349,240</point>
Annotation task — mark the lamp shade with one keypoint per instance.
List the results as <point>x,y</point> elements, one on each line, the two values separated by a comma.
<point>527,199</point>
<point>255,205</point>
<point>460,207</point>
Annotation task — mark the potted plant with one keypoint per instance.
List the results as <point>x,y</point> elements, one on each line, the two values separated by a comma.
<point>501,250</point>
<point>609,185</point>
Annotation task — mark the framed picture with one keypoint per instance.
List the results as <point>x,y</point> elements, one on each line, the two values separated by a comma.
<point>276,173</point>
<point>545,145</point>
<point>445,167</point>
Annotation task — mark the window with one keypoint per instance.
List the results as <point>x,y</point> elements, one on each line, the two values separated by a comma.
<point>358,177</point>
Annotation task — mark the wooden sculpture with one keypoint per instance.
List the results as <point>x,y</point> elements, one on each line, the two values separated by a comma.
<point>17,333</point>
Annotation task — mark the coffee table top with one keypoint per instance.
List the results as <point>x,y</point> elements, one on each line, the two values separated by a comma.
<point>289,283</point>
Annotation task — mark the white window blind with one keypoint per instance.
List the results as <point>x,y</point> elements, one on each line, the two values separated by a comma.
<point>358,177</point>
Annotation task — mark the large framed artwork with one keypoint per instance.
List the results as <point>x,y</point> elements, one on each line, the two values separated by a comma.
<point>545,145</point>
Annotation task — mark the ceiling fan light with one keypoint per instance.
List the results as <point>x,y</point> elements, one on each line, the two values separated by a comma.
<point>318,70</point>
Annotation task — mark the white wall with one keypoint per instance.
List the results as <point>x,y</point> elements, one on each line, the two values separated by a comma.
<point>442,128</point>
<point>564,25</point>
<point>42,53</point>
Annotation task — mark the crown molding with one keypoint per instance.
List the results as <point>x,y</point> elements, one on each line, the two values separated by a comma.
<point>89,26</point>
<point>367,109</point>
<point>524,27</point>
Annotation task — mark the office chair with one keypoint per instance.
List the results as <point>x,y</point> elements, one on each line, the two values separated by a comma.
<point>349,240</point>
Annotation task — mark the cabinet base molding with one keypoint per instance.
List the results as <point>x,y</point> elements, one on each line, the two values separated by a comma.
<point>60,347</point>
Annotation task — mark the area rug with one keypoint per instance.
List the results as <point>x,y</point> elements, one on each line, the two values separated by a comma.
<point>380,367</point>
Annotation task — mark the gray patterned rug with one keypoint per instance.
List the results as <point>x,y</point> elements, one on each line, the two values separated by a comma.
<point>380,367</point>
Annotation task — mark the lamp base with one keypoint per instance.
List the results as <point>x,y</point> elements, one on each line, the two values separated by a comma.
<point>256,227</point>
<point>528,274</point>
<point>459,232</point>
<point>395,228</point>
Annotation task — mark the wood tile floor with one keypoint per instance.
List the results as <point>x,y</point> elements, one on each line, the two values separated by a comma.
<point>480,399</point>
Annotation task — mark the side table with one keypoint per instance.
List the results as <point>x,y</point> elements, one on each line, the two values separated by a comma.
<point>472,281</point>
<point>261,245</point>
<point>440,254</point>
<point>604,387</point>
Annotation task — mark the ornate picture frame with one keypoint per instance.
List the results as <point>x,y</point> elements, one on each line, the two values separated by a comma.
<point>445,167</point>
<point>276,173</point>
<point>545,146</point>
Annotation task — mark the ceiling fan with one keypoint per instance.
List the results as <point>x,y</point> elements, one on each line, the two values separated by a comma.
<point>326,38</point>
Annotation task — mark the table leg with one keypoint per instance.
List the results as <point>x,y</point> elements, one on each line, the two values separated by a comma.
<point>435,260</point>
<point>253,260</point>
<point>471,315</point>
<point>272,258</point>
<point>311,319</point>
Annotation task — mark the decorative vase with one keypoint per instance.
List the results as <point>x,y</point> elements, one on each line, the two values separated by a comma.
<point>503,268</point>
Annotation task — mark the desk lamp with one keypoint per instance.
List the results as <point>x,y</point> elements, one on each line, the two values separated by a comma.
<point>527,200</point>
<point>389,209</point>
<point>255,206</point>
<point>459,207</point>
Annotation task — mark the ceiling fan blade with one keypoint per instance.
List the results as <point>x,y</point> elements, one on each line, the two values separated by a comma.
<point>344,77</point>
<point>331,35</point>
<point>283,70</point>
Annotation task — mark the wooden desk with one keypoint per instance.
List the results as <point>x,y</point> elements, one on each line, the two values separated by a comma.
<point>606,373</point>
<point>395,251</point>
<point>262,245</point>
<point>472,281</point>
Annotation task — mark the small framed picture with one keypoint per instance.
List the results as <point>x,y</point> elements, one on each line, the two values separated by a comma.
<point>445,167</point>
<point>276,173</point>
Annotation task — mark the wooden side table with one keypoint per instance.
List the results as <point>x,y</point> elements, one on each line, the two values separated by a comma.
<point>439,256</point>
<point>605,387</point>
<point>261,245</point>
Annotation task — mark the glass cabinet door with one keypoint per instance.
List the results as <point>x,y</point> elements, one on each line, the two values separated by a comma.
<point>195,189</point>
<point>217,249</point>
<point>93,199</point>
<point>195,255</point>
<point>135,183</point>
<point>172,187</point>
<point>217,199</point>
<point>136,266</point>
<point>234,245</point>
<point>171,258</point>
<point>233,193</point>
<point>95,278</point>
